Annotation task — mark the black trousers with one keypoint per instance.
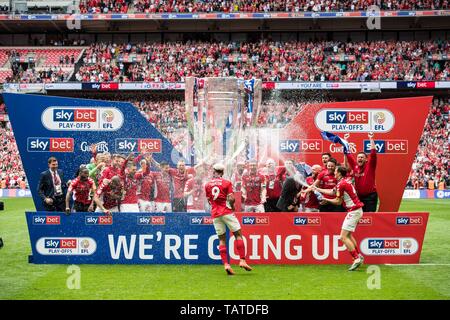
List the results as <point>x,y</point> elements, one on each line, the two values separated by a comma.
<point>370,202</point>
<point>80,207</point>
<point>179,205</point>
<point>271,205</point>
<point>331,208</point>
<point>59,204</point>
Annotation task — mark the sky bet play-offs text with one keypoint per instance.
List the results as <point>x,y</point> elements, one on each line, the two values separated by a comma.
<point>354,120</point>
<point>82,118</point>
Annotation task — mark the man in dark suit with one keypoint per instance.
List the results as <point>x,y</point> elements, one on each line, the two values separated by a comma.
<point>52,187</point>
<point>288,201</point>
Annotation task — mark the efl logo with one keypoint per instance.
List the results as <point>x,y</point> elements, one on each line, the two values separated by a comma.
<point>365,221</point>
<point>127,145</point>
<point>46,220</point>
<point>388,146</point>
<point>201,220</point>
<point>307,221</point>
<point>384,244</point>
<point>255,220</point>
<point>39,144</point>
<point>60,243</point>
<point>303,146</point>
<point>351,117</point>
<point>98,220</point>
<point>409,221</point>
<point>151,220</point>
<point>74,115</point>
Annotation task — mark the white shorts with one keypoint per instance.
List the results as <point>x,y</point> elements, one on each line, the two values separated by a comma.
<point>228,220</point>
<point>129,207</point>
<point>311,210</point>
<point>146,206</point>
<point>257,208</point>
<point>115,209</point>
<point>163,207</point>
<point>352,219</point>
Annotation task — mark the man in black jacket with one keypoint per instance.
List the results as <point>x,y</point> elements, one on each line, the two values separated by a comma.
<point>288,201</point>
<point>52,187</point>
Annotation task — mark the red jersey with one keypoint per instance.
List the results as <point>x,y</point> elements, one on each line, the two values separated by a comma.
<point>110,172</point>
<point>347,192</point>
<point>236,179</point>
<point>111,197</point>
<point>163,187</point>
<point>196,201</point>
<point>253,185</point>
<point>274,184</point>
<point>82,190</point>
<point>179,181</point>
<point>131,185</point>
<point>310,199</point>
<point>147,188</point>
<point>327,181</point>
<point>364,175</point>
<point>217,191</point>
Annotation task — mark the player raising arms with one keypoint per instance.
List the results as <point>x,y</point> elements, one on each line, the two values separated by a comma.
<point>346,195</point>
<point>219,193</point>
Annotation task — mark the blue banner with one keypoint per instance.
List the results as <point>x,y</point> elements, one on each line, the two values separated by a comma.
<point>47,126</point>
<point>124,238</point>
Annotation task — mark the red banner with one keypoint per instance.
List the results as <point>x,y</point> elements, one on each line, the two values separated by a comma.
<point>313,238</point>
<point>397,125</point>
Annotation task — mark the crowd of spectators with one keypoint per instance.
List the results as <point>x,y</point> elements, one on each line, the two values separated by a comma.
<point>430,169</point>
<point>191,6</point>
<point>268,60</point>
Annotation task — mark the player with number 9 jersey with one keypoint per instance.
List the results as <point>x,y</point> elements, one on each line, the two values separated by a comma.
<point>217,191</point>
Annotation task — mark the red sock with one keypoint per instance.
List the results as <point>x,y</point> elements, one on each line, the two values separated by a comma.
<point>223,253</point>
<point>354,254</point>
<point>240,247</point>
<point>357,250</point>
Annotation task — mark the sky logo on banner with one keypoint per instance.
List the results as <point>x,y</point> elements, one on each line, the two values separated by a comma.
<point>82,118</point>
<point>151,220</point>
<point>40,144</point>
<point>307,221</point>
<point>409,221</point>
<point>127,145</point>
<point>255,220</point>
<point>388,146</point>
<point>351,117</point>
<point>201,220</point>
<point>60,243</point>
<point>384,244</point>
<point>47,220</point>
<point>98,220</point>
<point>303,146</point>
<point>74,115</point>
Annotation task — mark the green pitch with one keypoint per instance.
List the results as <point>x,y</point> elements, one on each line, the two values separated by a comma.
<point>21,280</point>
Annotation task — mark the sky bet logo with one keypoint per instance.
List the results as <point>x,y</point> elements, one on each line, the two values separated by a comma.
<point>307,221</point>
<point>409,221</point>
<point>46,220</point>
<point>100,220</point>
<point>151,220</point>
<point>201,220</point>
<point>255,220</point>
<point>351,117</point>
<point>127,145</point>
<point>303,146</point>
<point>388,146</point>
<point>384,244</point>
<point>39,144</point>
<point>60,243</point>
<point>74,115</point>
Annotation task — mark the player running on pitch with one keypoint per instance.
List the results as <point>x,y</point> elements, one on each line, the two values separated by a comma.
<point>219,193</point>
<point>346,195</point>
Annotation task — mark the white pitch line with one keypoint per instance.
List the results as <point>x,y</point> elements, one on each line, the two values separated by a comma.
<point>417,264</point>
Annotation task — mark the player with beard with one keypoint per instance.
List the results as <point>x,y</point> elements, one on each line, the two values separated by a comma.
<point>109,195</point>
<point>325,158</point>
<point>254,189</point>
<point>274,185</point>
<point>82,187</point>
<point>220,195</point>
<point>327,180</point>
<point>132,180</point>
<point>116,168</point>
